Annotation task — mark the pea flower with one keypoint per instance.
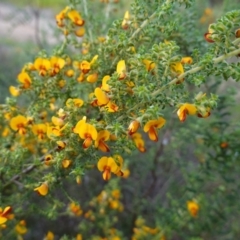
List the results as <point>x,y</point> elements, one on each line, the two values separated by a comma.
<point>133,127</point>
<point>42,65</point>
<point>150,128</point>
<point>76,18</point>
<point>186,109</point>
<point>5,214</point>
<point>39,130</point>
<point>25,79</point>
<point>57,64</point>
<point>87,132</point>
<point>193,208</point>
<point>102,137</point>
<point>42,189</point>
<point>19,124</point>
<point>121,69</point>
<point>107,165</point>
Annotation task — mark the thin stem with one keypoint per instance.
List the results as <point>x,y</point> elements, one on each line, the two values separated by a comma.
<point>196,69</point>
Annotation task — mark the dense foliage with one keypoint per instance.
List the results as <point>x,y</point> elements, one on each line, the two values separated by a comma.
<point>127,129</point>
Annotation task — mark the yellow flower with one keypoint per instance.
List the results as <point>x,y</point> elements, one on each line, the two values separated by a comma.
<point>42,189</point>
<point>92,78</point>
<point>111,107</point>
<point>76,102</point>
<point>150,128</point>
<point>76,18</point>
<point>85,66</point>
<point>39,130</point>
<point>121,69</point>
<point>80,32</point>
<point>48,159</point>
<point>102,98</point>
<point>79,237</point>
<point>5,214</point>
<point>57,64</point>
<point>19,124</point>
<point>150,65</point>
<point>42,65</point>
<point>14,91</point>
<point>126,20</point>
<point>87,132</point>
<point>79,124</point>
<point>66,163</point>
<point>187,60</point>
<point>21,227</point>
<point>103,136</point>
<point>61,145</point>
<point>185,109</point>
<point>139,142</point>
<point>55,131</point>
<point>133,127</point>
<point>193,208</point>
<point>177,68</point>
<point>25,79</point>
<point>57,121</point>
<point>107,165</point>
<point>69,73</point>
<point>49,236</point>
<point>60,17</point>
<point>105,86</point>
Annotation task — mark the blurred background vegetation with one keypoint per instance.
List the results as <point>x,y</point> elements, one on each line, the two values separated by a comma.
<point>156,186</point>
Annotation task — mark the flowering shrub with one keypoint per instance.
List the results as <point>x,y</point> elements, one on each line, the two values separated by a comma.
<point>78,113</point>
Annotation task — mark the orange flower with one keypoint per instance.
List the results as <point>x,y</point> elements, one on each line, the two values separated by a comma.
<point>42,189</point>
<point>133,127</point>
<point>150,128</point>
<point>103,136</point>
<point>49,236</point>
<point>80,32</point>
<point>39,130</point>
<point>76,18</point>
<point>19,124</point>
<point>60,17</point>
<point>87,132</point>
<point>150,65</point>
<point>121,69</point>
<point>5,214</point>
<point>25,79</point>
<point>185,109</point>
<point>208,35</point>
<point>111,107</point>
<point>139,142</point>
<point>193,208</point>
<point>42,65</point>
<point>85,66</point>
<point>107,165</point>
<point>75,209</point>
<point>57,64</point>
